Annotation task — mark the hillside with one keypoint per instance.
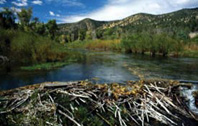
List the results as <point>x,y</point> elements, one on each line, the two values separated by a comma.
<point>181,16</point>
<point>184,21</point>
<point>76,30</point>
<point>86,24</point>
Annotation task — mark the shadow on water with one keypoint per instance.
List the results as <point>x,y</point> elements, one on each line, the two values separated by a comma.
<point>107,67</point>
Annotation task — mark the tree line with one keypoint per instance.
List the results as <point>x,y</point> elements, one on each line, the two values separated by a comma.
<point>24,39</point>
<point>26,22</point>
<point>154,43</point>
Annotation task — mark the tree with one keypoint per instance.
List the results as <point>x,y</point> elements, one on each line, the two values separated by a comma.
<point>164,44</point>
<point>129,43</point>
<point>143,42</point>
<point>34,23</point>
<point>52,28</point>
<point>62,39</point>
<point>178,47</point>
<point>25,17</point>
<point>193,24</point>
<point>88,35</point>
<point>40,28</point>
<point>7,18</point>
<point>99,33</point>
<point>153,46</point>
<point>35,20</point>
<point>81,34</point>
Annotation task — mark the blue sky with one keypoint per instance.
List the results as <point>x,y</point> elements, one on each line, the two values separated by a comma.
<point>75,10</point>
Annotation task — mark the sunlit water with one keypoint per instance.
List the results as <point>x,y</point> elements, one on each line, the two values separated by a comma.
<point>191,101</point>
<point>106,67</point>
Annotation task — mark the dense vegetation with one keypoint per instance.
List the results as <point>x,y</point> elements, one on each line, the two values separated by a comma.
<point>159,43</point>
<point>158,34</point>
<point>31,41</point>
<point>28,41</point>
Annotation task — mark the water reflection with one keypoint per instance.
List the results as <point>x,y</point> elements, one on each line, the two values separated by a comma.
<point>108,67</point>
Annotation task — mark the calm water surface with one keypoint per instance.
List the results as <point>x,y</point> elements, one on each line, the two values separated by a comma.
<point>106,67</point>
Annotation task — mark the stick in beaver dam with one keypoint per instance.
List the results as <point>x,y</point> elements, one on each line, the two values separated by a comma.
<point>141,103</point>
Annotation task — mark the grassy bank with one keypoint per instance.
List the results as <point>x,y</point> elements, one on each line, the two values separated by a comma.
<point>45,66</point>
<point>155,45</point>
<point>70,57</point>
<point>96,44</point>
<point>190,50</point>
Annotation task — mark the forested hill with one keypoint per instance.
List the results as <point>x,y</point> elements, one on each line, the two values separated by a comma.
<point>88,24</point>
<point>79,29</point>
<point>180,22</point>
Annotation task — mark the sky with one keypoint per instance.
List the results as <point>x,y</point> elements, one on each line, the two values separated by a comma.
<point>67,11</point>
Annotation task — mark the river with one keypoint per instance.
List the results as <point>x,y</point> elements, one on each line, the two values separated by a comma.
<point>105,67</point>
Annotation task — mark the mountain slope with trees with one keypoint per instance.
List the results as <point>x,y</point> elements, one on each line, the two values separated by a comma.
<point>179,23</point>
<point>85,29</point>
<point>165,34</point>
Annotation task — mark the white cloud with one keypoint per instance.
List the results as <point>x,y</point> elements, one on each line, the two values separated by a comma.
<point>181,1</point>
<point>2,1</point>
<point>67,2</point>
<point>20,3</point>
<point>37,2</point>
<point>53,14</point>
<point>119,9</point>
<point>15,9</point>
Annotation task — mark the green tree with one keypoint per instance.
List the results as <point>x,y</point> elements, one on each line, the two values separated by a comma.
<point>62,39</point>
<point>99,33</point>
<point>7,18</point>
<point>25,16</point>
<point>52,28</point>
<point>129,43</point>
<point>88,35</point>
<point>81,34</point>
<point>33,23</point>
<point>193,24</point>
<point>153,46</point>
<point>178,46</point>
<point>40,28</point>
<point>143,42</point>
<point>164,44</point>
<point>125,43</point>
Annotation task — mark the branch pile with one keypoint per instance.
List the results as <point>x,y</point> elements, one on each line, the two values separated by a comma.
<point>142,103</point>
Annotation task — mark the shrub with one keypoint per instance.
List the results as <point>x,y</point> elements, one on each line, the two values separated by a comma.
<point>25,47</point>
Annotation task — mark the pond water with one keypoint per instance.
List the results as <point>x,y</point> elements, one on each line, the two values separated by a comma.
<point>104,67</point>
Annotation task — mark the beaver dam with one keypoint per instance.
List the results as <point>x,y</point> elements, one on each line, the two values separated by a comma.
<point>141,103</point>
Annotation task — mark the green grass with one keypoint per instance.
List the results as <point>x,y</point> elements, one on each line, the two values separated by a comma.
<point>96,44</point>
<point>76,44</point>
<point>190,53</point>
<point>45,66</point>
